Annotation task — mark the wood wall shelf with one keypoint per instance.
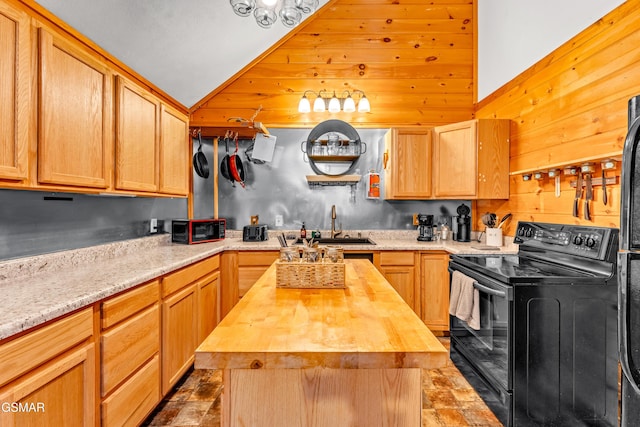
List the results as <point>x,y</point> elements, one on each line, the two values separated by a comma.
<point>327,180</point>
<point>577,162</point>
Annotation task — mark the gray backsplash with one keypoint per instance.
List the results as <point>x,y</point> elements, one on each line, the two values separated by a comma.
<point>35,222</point>
<point>280,188</point>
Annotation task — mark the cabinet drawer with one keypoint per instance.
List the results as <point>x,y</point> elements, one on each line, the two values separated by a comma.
<point>25,353</point>
<point>181,278</point>
<point>119,308</point>
<point>135,399</point>
<point>397,258</point>
<point>127,346</point>
<point>251,258</point>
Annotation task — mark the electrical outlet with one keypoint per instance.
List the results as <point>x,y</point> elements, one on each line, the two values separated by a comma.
<point>279,221</point>
<point>153,225</point>
<point>415,219</point>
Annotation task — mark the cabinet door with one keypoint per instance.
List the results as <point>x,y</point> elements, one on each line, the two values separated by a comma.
<point>179,335</point>
<point>455,160</point>
<point>15,92</point>
<point>252,265</point>
<point>75,138</point>
<point>435,291</point>
<point>137,136</point>
<point>174,152</point>
<point>61,393</point>
<point>208,305</point>
<point>407,164</point>
<point>403,281</point>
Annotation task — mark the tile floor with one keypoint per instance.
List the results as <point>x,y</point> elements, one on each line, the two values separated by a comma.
<point>448,401</point>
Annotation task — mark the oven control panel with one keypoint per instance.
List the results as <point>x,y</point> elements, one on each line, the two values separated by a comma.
<point>591,242</point>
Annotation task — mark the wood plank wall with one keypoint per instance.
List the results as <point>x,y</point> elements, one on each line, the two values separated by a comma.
<point>413,59</point>
<point>568,108</point>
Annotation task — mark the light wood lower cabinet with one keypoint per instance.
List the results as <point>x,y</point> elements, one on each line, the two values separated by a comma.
<point>130,353</point>
<point>189,295</point>
<point>135,399</point>
<point>179,335</point>
<point>434,287</point>
<point>399,268</point>
<point>208,304</point>
<point>252,265</point>
<point>240,270</point>
<point>48,375</point>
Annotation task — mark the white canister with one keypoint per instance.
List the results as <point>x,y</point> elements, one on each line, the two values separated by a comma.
<point>494,236</point>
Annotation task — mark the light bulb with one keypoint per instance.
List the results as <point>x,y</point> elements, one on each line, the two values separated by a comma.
<point>334,104</point>
<point>304,106</point>
<point>318,105</point>
<point>349,105</point>
<point>363,105</point>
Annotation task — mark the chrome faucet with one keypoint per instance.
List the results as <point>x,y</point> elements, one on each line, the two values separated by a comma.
<point>334,233</point>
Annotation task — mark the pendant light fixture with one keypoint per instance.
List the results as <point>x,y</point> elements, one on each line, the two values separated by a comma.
<point>266,12</point>
<point>334,103</point>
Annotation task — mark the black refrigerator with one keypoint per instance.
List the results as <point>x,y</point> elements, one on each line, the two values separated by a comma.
<point>629,270</point>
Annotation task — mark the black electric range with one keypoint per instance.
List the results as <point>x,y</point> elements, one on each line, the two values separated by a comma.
<point>545,350</point>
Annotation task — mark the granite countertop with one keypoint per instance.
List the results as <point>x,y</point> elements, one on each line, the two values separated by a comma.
<point>41,288</point>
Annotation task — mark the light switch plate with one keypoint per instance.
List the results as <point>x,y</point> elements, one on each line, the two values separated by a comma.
<point>279,221</point>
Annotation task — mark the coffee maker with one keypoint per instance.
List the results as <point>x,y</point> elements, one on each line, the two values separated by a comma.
<point>464,224</point>
<point>425,228</point>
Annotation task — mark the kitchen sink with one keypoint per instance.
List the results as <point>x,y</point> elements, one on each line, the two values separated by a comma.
<point>341,241</point>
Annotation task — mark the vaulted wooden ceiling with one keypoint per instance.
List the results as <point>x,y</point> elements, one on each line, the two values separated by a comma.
<point>414,59</point>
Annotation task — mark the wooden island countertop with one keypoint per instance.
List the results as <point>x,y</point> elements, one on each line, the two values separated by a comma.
<point>365,325</point>
<point>322,357</point>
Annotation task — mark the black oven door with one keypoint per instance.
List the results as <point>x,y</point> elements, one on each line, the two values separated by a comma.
<point>488,348</point>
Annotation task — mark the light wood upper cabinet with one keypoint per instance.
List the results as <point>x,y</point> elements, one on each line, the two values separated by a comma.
<point>15,92</point>
<point>407,164</point>
<point>137,138</point>
<point>471,160</point>
<point>174,152</point>
<point>75,138</point>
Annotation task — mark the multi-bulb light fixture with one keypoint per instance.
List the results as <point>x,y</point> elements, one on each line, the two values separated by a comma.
<point>266,11</point>
<point>333,103</point>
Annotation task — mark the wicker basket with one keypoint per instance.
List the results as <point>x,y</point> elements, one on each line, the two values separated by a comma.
<point>320,275</point>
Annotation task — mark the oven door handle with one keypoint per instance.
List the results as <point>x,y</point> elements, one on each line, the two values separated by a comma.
<point>484,288</point>
<point>489,291</point>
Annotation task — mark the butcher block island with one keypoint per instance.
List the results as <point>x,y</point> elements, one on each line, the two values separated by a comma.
<point>322,357</point>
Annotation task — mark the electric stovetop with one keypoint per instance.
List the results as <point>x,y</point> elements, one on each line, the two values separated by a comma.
<point>521,269</point>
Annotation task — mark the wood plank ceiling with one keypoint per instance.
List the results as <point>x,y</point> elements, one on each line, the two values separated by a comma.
<point>412,58</point>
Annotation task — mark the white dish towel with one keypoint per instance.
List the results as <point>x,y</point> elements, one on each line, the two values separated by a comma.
<point>464,301</point>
